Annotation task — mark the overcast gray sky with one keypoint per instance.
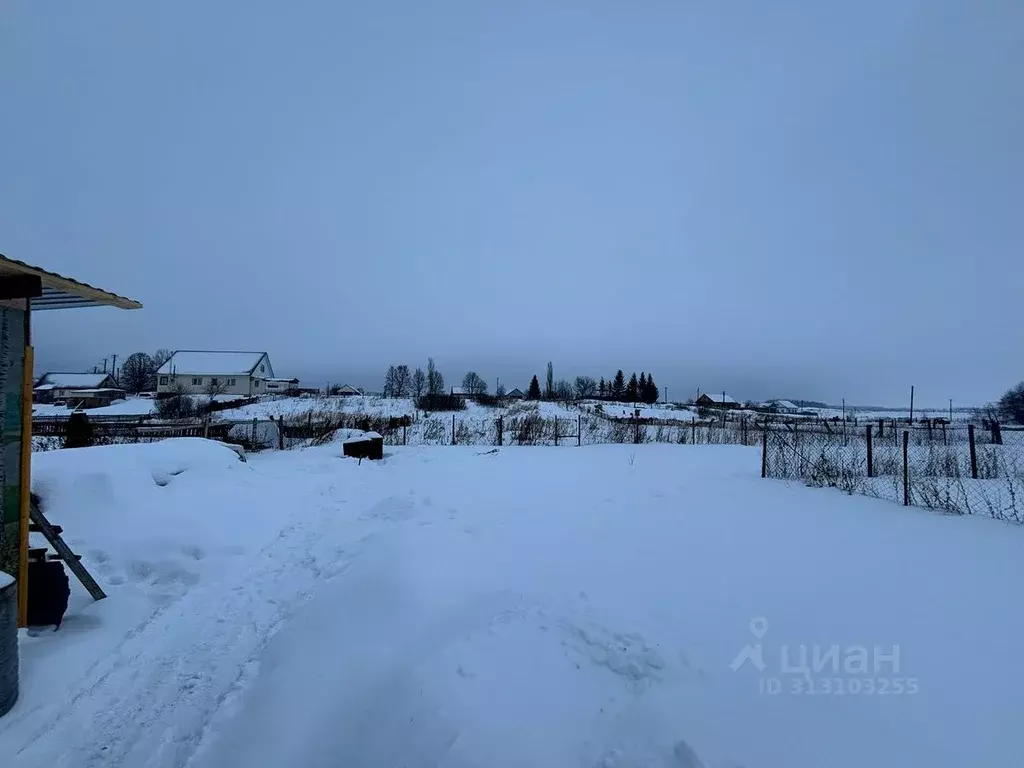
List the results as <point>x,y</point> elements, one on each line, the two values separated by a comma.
<point>800,199</point>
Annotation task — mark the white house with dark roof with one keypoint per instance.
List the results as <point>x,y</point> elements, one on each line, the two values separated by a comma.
<point>230,373</point>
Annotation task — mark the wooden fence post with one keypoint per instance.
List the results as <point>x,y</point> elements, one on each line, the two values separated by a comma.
<point>906,468</point>
<point>881,427</point>
<point>579,430</point>
<point>453,430</point>
<point>280,433</point>
<point>254,430</point>
<point>693,426</point>
<point>764,453</point>
<point>405,435</point>
<point>501,429</point>
<point>206,426</point>
<point>556,430</point>
<point>974,452</point>
<point>871,457</point>
<point>997,433</point>
<point>309,424</point>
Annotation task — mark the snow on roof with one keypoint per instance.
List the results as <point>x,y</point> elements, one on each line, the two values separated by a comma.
<point>94,391</point>
<point>73,380</point>
<point>348,388</point>
<point>285,381</point>
<point>782,404</point>
<point>719,397</point>
<point>194,361</point>
<point>460,391</point>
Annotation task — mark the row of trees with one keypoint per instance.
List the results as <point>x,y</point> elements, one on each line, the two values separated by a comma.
<point>635,390</point>
<point>399,382</point>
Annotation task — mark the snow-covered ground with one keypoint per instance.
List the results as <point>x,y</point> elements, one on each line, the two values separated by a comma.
<point>292,408</point>
<point>611,606</point>
<point>132,406</point>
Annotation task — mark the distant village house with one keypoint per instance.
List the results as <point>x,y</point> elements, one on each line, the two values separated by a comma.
<point>78,390</point>
<point>782,406</point>
<point>719,400</point>
<point>515,394</point>
<point>202,371</point>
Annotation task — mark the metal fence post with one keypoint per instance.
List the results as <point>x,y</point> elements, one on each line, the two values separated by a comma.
<point>871,457</point>
<point>405,434</point>
<point>974,452</point>
<point>764,453</point>
<point>556,430</point>
<point>693,426</point>
<point>579,430</point>
<point>454,442</point>
<point>906,468</point>
<point>501,428</point>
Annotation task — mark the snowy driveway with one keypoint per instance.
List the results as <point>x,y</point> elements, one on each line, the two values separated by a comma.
<point>533,606</point>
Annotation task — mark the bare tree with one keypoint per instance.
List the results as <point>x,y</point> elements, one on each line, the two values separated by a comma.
<point>563,390</point>
<point>389,382</point>
<point>435,380</point>
<point>419,383</point>
<point>585,387</point>
<point>161,356</point>
<point>137,372</point>
<point>473,384</point>
<point>401,381</point>
<point>214,388</point>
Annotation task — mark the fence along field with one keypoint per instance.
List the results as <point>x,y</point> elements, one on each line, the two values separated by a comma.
<point>962,469</point>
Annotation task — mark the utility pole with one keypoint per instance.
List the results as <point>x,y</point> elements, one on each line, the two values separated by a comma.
<point>104,365</point>
<point>951,410</point>
<point>113,368</point>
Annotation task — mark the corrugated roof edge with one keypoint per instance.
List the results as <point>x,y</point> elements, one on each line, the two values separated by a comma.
<point>123,302</point>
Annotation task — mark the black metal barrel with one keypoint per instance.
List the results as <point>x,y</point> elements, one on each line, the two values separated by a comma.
<point>8,643</point>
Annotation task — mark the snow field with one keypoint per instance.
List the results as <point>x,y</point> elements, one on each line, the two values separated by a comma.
<point>462,606</point>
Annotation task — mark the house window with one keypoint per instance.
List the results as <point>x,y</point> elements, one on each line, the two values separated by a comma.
<point>231,382</point>
<point>263,369</point>
<point>163,380</point>
<point>197,380</point>
<point>258,382</point>
<point>215,381</point>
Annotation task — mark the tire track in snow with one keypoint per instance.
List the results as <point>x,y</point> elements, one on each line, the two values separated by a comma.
<point>153,703</point>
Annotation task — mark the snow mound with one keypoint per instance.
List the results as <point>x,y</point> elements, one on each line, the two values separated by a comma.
<point>131,510</point>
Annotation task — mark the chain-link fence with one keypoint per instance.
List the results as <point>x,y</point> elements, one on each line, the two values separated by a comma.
<point>963,470</point>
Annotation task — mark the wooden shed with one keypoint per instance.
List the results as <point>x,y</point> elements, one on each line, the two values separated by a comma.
<point>24,289</point>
